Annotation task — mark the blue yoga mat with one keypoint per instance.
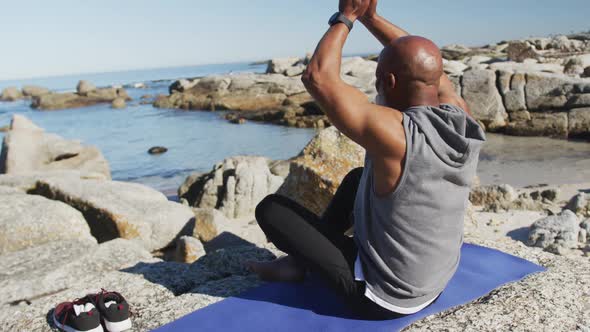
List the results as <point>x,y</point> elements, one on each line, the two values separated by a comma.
<point>311,306</point>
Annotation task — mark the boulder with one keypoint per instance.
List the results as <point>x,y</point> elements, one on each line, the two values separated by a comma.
<point>453,67</point>
<point>483,98</point>
<point>188,249</point>
<point>318,170</point>
<point>512,90</point>
<point>519,51</point>
<point>30,220</point>
<point>564,44</point>
<point>235,186</point>
<point>560,230</point>
<point>57,101</point>
<point>84,87</point>
<point>11,94</point>
<point>580,205</point>
<point>52,267</point>
<point>27,148</point>
<point>34,91</point>
<point>295,70</point>
<point>547,91</point>
<point>281,65</point>
<point>579,122</point>
<point>554,124</point>
<point>118,103</point>
<point>122,210</point>
<point>359,67</point>
<point>455,52</point>
<point>182,85</point>
<point>502,195</point>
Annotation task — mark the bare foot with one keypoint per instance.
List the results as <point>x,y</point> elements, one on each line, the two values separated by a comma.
<point>281,269</point>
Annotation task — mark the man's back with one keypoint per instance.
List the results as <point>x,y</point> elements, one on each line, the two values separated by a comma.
<point>409,240</point>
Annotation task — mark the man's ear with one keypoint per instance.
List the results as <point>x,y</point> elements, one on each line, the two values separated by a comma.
<point>390,81</point>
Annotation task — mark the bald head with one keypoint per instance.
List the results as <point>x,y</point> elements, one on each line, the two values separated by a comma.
<point>409,71</point>
<point>412,58</point>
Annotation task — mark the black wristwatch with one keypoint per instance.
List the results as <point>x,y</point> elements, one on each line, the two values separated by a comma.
<point>340,18</point>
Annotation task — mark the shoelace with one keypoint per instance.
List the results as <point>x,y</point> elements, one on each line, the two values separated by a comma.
<point>69,306</point>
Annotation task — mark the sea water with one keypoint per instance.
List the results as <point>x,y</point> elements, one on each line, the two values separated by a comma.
<point>195,140</point>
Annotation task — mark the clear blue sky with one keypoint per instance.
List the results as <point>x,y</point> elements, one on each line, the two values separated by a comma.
<point>43,38</point>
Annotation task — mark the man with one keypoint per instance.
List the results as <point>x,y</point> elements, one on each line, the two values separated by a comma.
<point>408,202</point>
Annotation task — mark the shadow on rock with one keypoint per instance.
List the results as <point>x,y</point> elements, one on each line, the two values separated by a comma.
<point>520,234</point>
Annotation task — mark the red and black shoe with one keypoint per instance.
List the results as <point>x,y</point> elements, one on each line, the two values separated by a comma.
<point>114,311</point>
<point>80,315</point>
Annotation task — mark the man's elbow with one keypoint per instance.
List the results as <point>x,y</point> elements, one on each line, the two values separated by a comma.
<point>314,80</point>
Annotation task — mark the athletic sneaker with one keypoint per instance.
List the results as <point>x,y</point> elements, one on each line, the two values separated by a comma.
<point>77,316</point>
<point>114,311</point>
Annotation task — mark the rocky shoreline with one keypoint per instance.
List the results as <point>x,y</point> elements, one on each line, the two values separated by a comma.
<point>67,229</point>
<point>527,87</point>
<point>531,87</point>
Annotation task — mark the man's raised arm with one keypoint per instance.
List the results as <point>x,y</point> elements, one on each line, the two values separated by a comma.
<point>348,108</point>
<point>386,32</point>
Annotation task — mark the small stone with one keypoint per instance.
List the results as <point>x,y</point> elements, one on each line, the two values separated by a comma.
<point>157,150</point>
<point>206,220</point>
<point>189,249</point>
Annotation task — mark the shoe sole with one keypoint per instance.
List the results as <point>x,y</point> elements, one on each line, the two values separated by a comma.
<point>71,329</point>
<point>117,326</point>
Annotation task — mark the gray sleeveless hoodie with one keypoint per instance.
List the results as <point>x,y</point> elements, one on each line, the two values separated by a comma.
<point>409,241</point>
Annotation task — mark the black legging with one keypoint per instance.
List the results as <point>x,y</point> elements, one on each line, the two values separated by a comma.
<point>319,244</point>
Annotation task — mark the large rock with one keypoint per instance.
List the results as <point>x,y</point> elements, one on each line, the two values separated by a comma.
<point>281,65</point>
<point>547,91</point>
<point>11,94</point>
<point>67,100</point>
<point>235,186</point>
<point>27,148</point>
<point>318,170</point>
<point>502,195</point>
<point>30,220</point>
<point>553,124</point>
<point>559,230</point>
<point>483,98</point>
<point>519,51</point>
<point>84,87</point>
<point>580,205</point>
<point>34,91</point>
<point>55,266</point>
<point>126,210</point>
<point>512,89</point>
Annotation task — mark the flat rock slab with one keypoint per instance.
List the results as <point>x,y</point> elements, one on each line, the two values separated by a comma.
<point>28,181</point>
<point>28,148</point>
<point>122,210</point>
<point>36,272</point>
<point>30,220</point>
